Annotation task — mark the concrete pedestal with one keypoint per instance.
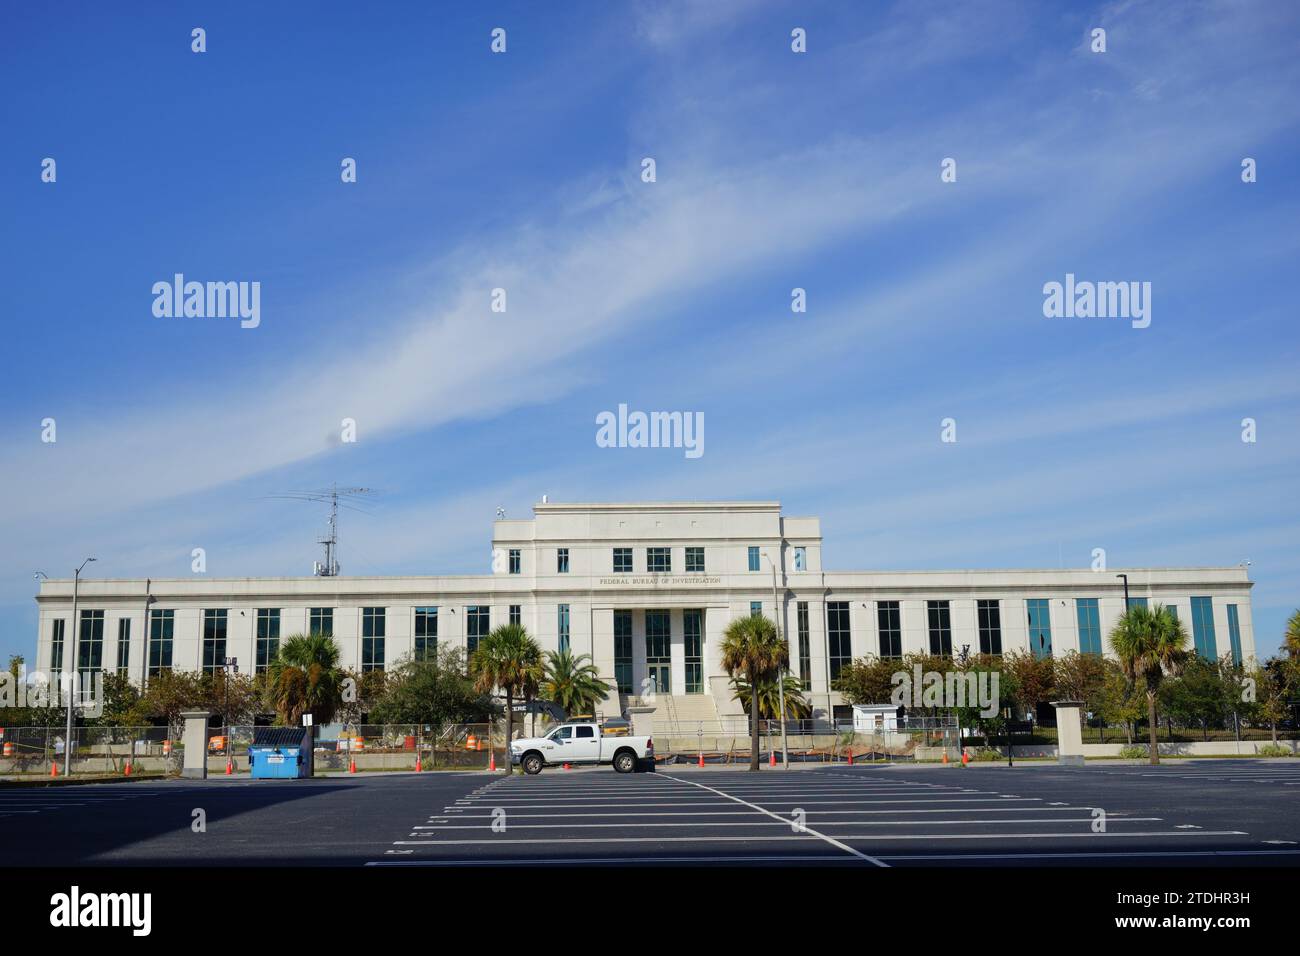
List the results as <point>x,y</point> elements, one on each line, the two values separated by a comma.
<point>195,741</point>
<point>1069,739</point>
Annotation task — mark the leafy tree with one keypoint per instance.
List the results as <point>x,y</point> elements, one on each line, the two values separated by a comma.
<point>1291,637</point>
<point>1034,678</point>
<point>752,650</point>
<point>1149,643</point>
<point>433,691</point>
<point>304,678</point>
<point>510,659</point>
<point>868,680</point>
<point>769,697</point>
<point>1082,677</point>
<point>42,707</point>
<point>1198,696</point>
<point>170,692</point>
<point>1122,701</point>
<point>123,704</point>
<point>573,682</point>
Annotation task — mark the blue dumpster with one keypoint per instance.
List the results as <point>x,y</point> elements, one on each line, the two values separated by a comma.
<point>276,762</point>
<point>280,753</point>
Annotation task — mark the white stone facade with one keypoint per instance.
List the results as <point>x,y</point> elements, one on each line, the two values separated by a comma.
<point>527,575</point>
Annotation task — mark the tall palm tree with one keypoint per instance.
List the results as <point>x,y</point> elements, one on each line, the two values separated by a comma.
<point>1149,644</point>
<point>769,697</point>
<point>752,650</point>
<point>304,678</point>
<point>510,659</point>
<point>573,682</point>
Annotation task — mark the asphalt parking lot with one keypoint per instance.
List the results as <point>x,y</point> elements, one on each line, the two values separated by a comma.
<point>1199,813</point>
<point>1237,813</point>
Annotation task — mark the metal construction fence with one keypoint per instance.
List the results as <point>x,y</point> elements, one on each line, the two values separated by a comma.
<point>480,746</point>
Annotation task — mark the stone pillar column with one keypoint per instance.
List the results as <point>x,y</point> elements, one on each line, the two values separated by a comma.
<point>1069,740</point>
<point>195,741</point>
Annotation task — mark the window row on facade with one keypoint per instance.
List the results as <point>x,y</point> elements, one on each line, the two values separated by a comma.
<point>658,560</point>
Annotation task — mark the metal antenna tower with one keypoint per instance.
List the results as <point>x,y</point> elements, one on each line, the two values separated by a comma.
<point>334,494</point>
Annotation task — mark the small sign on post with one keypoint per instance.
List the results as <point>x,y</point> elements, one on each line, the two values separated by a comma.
<point>306,720</point>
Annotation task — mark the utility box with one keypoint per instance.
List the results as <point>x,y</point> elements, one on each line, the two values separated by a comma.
<point>280,753</point>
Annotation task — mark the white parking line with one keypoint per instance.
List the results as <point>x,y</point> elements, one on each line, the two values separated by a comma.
<point>803,830</point>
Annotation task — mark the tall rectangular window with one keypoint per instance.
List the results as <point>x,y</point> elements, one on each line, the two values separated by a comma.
<point>320,620</point>
<point>753,558</point>
<point>694,560</point>
<point>801,558</point>
<point>516,561</point>
<point>1203,628</point>
<point>477,625</point>
<point>756,608</point>
<point>1137,602</point>
<point>561,560</point>
<point>1089,625</point>
<point>623,651</point>
<point>839,642</point>
<point>658,559</point>
<point>562,625</point>
<point>516,614</point>
<point>123,645</point>
<point>56,646</point>
<point>805,645</point>
<point>214,639</point>
<point>940,620</point>
<point>268,638</point>
<point>1234,634</point>
<point>658,650</point>
<point>162,628</point>
<point>1173,610</point>
<point>990,624</point>
<point>889,622</point>
<point>1040,626</point>
<point>90,649</point>
<point>426,633</point>
<point>622,560</point>
<point>693,649</point>
<point>374,628</point>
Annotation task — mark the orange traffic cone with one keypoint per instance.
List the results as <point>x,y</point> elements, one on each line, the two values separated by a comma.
<point>701,758</point>
<point>771,758</point>
<point>965,757</point>
<point>54,768</point>
<point>945,756</point>
<point>566,767</point>
<point>230,767</point>
<point>127,771</point>
<point>352,765</point>
<point>850,758</point>
<point>492,761</point>
<point>418,768</point>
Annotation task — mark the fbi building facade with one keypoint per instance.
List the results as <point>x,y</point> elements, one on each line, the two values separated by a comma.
<point>645,589</point>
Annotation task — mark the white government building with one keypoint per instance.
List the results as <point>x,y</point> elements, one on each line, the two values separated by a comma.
<point>646,589</point>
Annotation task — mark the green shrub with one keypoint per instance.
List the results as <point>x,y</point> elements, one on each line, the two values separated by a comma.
<point>985,754</point>
<point>1274,750</point>
<point>1135,752</point>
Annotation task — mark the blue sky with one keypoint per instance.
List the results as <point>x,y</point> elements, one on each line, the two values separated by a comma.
<point>775,170</point>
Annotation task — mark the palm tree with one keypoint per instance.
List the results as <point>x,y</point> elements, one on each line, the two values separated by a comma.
<point>752,650</point>
<point>1291,640</point>
<point>304,678</point>
<point>510,659</point>
<point>1149,644</point>
<point>769,697</point>
<point>574,685</point>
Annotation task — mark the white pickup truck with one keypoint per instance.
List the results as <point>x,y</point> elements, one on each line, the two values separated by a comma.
<point>582,743</point>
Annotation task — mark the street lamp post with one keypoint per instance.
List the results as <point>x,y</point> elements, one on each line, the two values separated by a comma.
<point>780,677</point>
<point>1125,577</point>
<point>67,737</point>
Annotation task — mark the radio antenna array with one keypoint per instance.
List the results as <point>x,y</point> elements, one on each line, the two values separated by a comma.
<point>337,498</point>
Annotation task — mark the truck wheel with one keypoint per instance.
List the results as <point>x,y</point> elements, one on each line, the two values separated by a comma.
<point>532,764</point>
<point>625,761</point>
